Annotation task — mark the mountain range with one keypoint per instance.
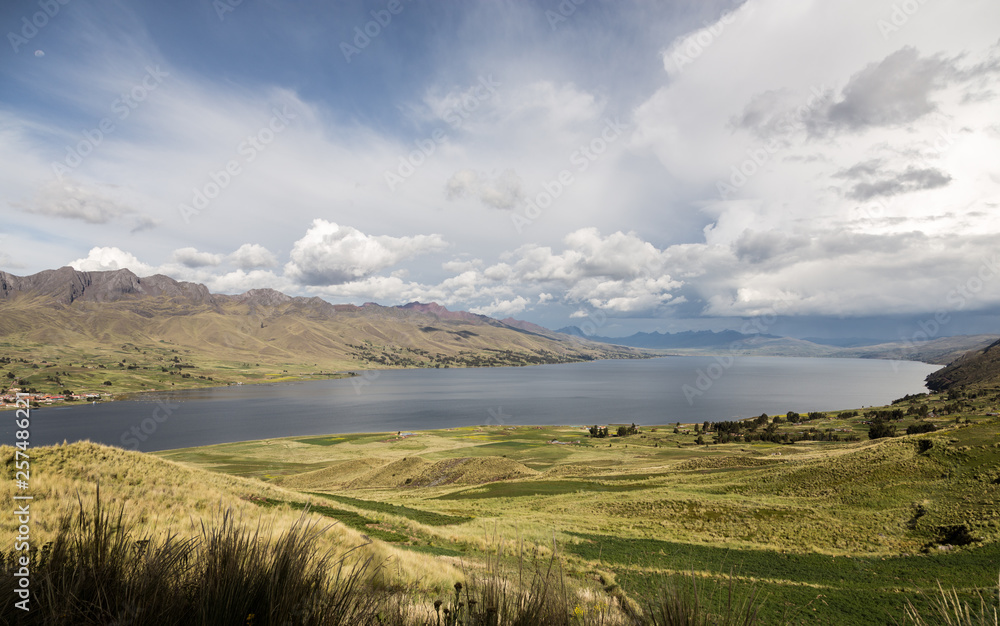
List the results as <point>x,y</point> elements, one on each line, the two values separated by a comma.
<point>658,340</point>
<point>98,311</point>
<point>941,350</point>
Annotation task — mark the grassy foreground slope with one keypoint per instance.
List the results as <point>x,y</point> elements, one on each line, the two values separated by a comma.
<point>189,539</point>
<point>165,498</point>
<point>831,532</point>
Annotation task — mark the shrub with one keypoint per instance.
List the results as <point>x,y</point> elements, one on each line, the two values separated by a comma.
<point>920,427</point>
<point>879,429</point>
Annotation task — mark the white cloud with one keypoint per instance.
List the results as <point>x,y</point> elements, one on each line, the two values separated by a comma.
<point>836,187</point>
<point>253,256</point>
<point>498,272</point>
<point>457,266</point>
<point>859,166</point>
<point>387,290</point>
<point>536,103</point>
<point>503,308</point>
<point>588,254</point>
<point>88,203</point>
<point>240,281</point>
<point>505,191</point>
<point>191,257</point>
<point>618,272</point>
<point>640,295</point>
<point>7,262</point>
<point>101,259</point>
<point>331,254</point>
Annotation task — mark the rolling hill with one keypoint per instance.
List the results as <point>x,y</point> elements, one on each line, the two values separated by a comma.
<point>156,326</point>
<point>977,368</point>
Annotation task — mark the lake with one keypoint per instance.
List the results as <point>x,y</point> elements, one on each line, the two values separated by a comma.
<point>651,391</point>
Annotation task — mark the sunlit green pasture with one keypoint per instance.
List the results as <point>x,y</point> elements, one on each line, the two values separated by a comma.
<point>830,532</point>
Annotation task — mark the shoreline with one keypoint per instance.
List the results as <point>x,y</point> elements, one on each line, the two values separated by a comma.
<point>300,378</point>
<point>421,400</point>
<point>137,395</point>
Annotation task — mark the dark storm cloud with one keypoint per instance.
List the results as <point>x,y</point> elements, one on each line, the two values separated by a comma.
<point>894,184</point>
<point>895,91</point>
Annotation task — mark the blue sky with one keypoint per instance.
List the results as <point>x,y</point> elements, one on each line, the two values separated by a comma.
<point>829,167</point>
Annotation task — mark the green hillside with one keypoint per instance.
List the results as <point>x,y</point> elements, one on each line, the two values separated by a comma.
<point>975,369</point>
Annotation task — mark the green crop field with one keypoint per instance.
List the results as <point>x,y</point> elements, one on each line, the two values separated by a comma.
<point>823,523</point>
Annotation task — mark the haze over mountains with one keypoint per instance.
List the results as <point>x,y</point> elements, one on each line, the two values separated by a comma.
<point>941,350</point>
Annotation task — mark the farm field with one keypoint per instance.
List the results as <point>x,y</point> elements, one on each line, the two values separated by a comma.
<point>825,531</point>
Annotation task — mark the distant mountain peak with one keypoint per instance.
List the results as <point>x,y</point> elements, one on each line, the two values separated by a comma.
<point>429,307</point>
<point>265,297</point>
<point>435,309</point>
<point>67,285</point>
<point>522,325</point>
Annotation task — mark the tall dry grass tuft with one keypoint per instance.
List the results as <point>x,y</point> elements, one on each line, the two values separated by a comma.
<point>948,609</point>
<point>681,603</point>
<point>100,570</point>
<point>532,593</point>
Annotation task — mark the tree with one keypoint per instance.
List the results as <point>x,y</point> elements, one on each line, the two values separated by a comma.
<point>920,427</point>
<point>107,383</point>
<point>11,375</point>
<point>879,429</point>
<point>628,430</point>
<point>597,431</point>
<point>700,440</point>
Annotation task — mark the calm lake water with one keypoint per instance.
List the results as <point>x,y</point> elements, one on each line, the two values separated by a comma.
<point>600,392</point>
